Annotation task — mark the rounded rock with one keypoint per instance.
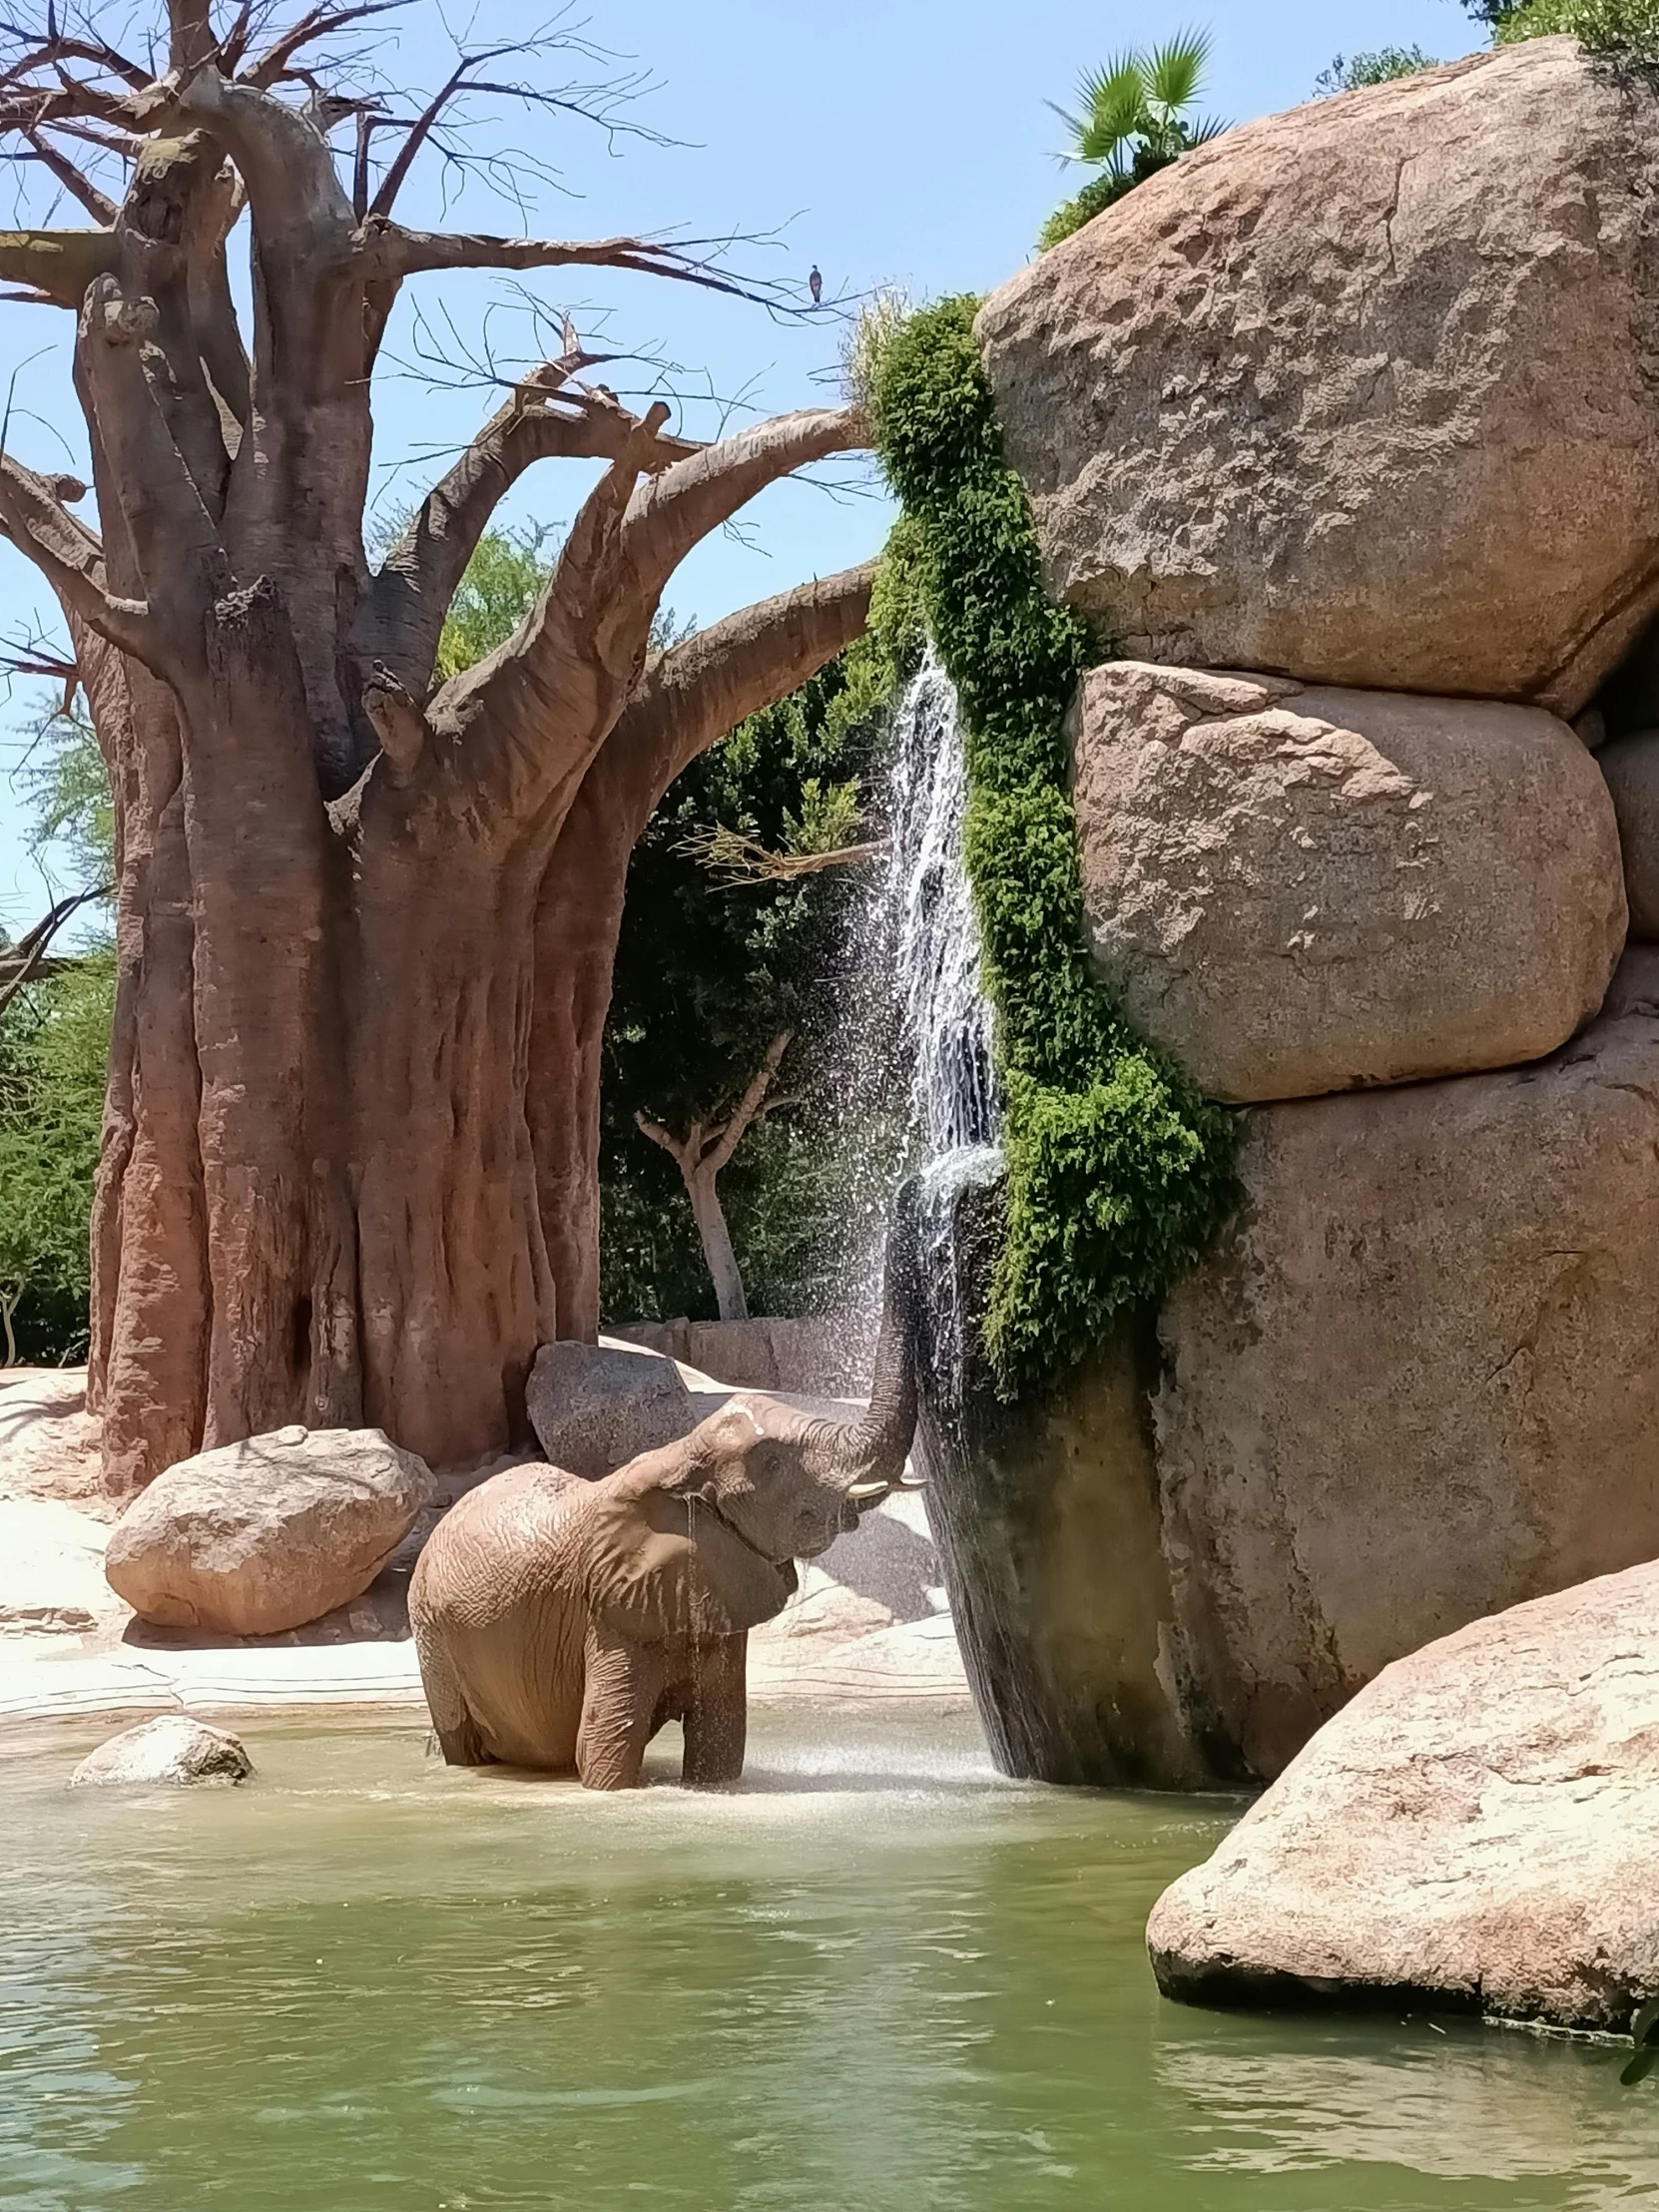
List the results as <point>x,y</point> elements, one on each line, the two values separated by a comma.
<point>1363,393</point>
<point>1300,890</point>
<point>269,1534</point>
<point>174,1751</point>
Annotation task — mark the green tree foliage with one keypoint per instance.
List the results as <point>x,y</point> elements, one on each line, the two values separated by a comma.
<point>54,1050</point>
<point>502,583</point>
<point>1358,71</point>
<point>1133,119</point>
<point>1603,26</point>
<point>1119,1172</point>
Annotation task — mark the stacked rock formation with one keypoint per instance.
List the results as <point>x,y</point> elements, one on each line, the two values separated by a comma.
<point>1348,426</point>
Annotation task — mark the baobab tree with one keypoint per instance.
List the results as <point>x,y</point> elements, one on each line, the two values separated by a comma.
<point>363,925</point>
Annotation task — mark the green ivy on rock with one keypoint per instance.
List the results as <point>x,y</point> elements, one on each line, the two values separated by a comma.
<point>1119,1172</point>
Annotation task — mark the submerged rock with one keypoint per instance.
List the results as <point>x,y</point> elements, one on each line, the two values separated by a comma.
<point>266,1536</point>
<point>1298,890</point>
<point>1363,393</point>
<point>596,1406</point>
<point>172,1751</point>
<point>1415,1384</point>
<point>1478,1830</point>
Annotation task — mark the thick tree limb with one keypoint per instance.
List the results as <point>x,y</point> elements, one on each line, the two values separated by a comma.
<point>697,691</point>
<point>173,538</point>
<point>674,511</point>
<point>284,158</point>
<point>529,718</point>
<point>405,612</point>
<point>68,556</point>
<point>59,265</point>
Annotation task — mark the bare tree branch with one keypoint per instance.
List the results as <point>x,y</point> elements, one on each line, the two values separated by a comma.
<point>98,204</point>
<point>25,963</point>
<point>405,253</point>
<point>321,22</point>
<point>57,264</point>
<point>69,557</point>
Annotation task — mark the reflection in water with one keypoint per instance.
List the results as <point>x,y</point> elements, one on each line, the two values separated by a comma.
<point>875,1978</point>
<point>1505,2108</point>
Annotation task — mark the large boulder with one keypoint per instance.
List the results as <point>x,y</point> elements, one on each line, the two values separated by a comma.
<point>1300,890</point>
<point>596,1406</point>
<point>1631,768</point>
<point>1415,1383</point>
<point>1478,1830</point>
<point>1363,393</point>
<point>262,1536</point>
<point>173,1752</point>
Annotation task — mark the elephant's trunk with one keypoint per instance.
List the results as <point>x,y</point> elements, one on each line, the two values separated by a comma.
<point>881,1441</point>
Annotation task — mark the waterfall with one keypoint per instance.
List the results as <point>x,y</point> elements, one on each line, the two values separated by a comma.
<point>946,1020</point>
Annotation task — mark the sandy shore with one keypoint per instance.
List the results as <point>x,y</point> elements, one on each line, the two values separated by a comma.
<point>868,1622</point>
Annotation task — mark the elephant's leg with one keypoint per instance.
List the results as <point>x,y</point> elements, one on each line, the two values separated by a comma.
<point>454,1724</point>
<point>717,1712</point>
<point>622,1691</point>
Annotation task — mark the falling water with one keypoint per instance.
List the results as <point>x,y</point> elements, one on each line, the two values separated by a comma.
<point>933,932</point>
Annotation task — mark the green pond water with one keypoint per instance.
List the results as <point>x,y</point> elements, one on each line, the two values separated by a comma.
<point>875,1978</point>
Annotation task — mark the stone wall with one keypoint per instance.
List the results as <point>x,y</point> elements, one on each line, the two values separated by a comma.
<point>830,1355</point>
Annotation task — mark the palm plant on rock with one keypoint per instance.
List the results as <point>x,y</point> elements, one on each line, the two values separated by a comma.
<point>1134,118</point>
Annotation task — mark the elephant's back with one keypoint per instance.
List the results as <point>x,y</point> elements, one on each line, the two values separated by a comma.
<point>498,1546</point>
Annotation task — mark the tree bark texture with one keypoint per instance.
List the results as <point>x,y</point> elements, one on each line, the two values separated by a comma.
<point>364,927</point>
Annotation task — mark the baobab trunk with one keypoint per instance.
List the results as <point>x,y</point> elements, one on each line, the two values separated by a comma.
<point>351,1142</point>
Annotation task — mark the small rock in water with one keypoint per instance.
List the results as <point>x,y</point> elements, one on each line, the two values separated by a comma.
<point>174,1751</point>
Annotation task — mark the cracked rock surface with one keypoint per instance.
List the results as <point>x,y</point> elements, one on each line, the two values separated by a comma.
<point>1415,1383</point>
<point>1478,1830</point>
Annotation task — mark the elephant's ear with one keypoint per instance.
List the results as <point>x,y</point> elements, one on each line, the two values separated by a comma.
<point>661,1565</point>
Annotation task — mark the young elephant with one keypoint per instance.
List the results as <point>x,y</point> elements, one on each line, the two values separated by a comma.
<point>560,1623</point>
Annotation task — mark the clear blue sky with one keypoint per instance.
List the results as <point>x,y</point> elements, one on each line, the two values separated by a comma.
<point>893,141</point>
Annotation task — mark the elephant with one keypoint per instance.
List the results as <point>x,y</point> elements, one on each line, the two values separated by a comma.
<point>560,1622</point>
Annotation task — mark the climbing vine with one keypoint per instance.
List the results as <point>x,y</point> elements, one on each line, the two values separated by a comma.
<point>1119,1171</point>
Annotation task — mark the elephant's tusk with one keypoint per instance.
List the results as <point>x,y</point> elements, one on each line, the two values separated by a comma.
<point>866,1493</point>
<point>911,1483</point>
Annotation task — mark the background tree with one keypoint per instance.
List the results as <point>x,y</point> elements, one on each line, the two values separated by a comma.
<point>730,989</point>
<point>1356,72</point>
<point>1134,119</point>
<point>55,1015</point>
<point>365,916</point>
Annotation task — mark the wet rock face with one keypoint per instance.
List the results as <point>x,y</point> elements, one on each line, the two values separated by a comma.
<point>1416,1384</point>
<point>1046,1518</point>
<point>174,1753</point>
<point>1298,890</point>
<point>1363,393</point>
<point>262,1536</point>
<point>1475,1831</point>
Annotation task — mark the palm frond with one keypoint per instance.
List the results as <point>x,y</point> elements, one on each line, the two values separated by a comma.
<point>1174,72</point>
<point>1212,127</point>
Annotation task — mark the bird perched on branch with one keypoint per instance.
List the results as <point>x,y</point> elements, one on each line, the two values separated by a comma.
<point>815,284</point>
